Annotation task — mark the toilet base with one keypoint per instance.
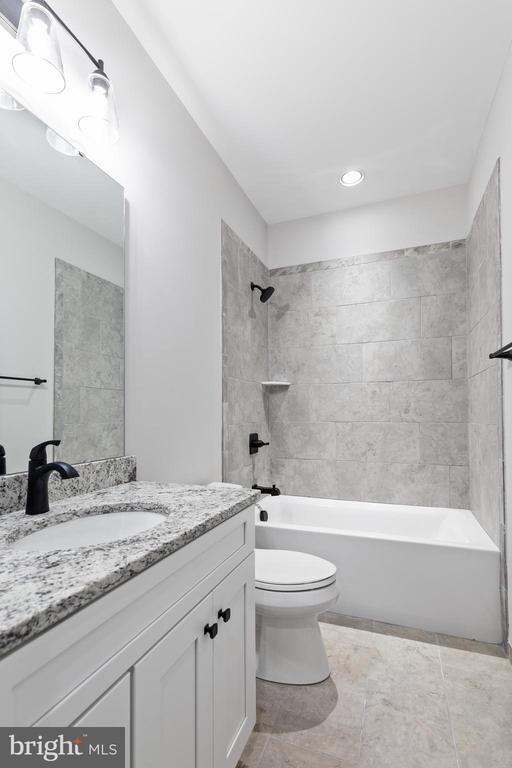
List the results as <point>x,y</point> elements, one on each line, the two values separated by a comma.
<point>289,645</point>
<point>291,654</point>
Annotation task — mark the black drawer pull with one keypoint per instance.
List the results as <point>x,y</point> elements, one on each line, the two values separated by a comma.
<point>212,630</point>
<point>225,615</point>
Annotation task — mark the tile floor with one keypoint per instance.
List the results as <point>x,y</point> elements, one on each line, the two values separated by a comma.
<point>391,702</point>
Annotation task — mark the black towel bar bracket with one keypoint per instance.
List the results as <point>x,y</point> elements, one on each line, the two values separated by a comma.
<point>37,380</point>
<point>505,353</point>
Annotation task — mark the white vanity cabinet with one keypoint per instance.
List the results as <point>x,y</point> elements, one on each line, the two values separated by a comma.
<point>169,655</point>
<point>234,667</point>
<point>210,663</point>
<point>173,697</point>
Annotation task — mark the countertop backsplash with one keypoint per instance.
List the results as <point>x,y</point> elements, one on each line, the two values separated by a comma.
<point>94,475</point>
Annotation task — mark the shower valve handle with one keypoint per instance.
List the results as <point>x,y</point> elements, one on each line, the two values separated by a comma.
<point>255,443</point>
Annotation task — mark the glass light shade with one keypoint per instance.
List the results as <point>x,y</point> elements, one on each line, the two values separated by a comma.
<point>99,122</point>
<point>8,102</point>
<point>60,145</point>
<point>40,63</point>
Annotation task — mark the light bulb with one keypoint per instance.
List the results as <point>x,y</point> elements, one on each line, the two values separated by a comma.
<point>100,123</point>
<point>40,63</point>
<point>8,102</point>
<point>60,145</point>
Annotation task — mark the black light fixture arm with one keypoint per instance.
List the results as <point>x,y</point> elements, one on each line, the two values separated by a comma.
<point>98,63</point>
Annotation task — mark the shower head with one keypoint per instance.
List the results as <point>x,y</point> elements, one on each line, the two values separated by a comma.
<point>266,293</point>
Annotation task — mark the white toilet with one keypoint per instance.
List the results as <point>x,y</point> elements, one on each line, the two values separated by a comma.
<point>292,589</point>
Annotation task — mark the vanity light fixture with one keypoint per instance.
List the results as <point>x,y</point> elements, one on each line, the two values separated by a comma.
<point>60,145</point>
<point>40,65</point>
<point>8,102</point>
<point>99,122</point>
<point>351,178</point>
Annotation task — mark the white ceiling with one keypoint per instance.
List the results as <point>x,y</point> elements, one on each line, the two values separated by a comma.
<point>293,92</point>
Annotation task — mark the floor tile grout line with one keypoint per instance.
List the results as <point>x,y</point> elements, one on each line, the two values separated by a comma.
<point>258,761</point>
<point>450,720</point>
<point>313,752</point>
<point>363,718</point>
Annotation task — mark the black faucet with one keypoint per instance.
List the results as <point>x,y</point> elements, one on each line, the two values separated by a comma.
<point>39,472</point>
<point>3,467</point>
<point>274,491</point>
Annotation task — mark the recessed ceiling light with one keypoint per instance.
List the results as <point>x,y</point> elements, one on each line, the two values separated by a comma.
<point>351,178</point>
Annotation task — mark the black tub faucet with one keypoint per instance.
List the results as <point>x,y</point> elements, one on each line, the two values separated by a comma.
<point>39,472</point>
<point>266,490</point>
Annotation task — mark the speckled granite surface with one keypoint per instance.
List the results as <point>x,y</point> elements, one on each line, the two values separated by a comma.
<point>94,475</point>
<point>39,589</point>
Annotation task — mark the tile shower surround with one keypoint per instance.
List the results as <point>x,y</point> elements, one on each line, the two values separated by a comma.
<point>375,348</point>
<point>485,375</point>
<point>245,362</point>
<point>89,365</point>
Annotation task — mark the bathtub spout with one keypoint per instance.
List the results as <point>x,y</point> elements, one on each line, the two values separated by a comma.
<point>266,491</point>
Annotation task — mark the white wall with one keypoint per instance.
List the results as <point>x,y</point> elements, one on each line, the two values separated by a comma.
<point>497,142</point>
<point>33,236</point>
<point>432,217</point>
<point>177,191</point>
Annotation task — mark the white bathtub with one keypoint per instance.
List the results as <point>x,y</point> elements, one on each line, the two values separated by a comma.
<point>424,567</point>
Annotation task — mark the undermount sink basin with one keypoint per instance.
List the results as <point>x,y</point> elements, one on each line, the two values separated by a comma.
<point>90,530</point>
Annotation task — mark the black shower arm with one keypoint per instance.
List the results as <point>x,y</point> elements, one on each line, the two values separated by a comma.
<point>505,352</point>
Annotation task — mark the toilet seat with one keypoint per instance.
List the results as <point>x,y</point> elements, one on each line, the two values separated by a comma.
<point>281,570</point>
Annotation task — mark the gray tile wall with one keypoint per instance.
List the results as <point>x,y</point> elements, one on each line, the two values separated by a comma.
<point>484,375</point>
<point>89,365</point>
<point>375,348</point>
<point>245,362</point>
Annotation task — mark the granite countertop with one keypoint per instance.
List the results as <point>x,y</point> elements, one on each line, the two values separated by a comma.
<point>39,589</point>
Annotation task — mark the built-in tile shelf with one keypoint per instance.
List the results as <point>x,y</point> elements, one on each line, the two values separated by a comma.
<point>276,383</point>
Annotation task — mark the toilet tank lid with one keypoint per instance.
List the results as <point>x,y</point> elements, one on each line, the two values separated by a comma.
<point>282,566</point>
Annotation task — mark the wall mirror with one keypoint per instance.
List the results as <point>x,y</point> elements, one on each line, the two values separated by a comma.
<point>61,298</point>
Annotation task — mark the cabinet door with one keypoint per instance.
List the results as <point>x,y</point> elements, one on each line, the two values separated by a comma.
<point>234,665</point>
<point>113,709</point>
<point>172,697</point>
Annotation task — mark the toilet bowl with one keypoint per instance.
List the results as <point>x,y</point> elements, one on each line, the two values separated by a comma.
<point>292,589</point>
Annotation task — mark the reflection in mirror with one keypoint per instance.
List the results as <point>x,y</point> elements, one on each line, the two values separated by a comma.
<point>61,299</point>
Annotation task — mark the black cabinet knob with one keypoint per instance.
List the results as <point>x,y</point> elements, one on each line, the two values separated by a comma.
<point>224,615</point>
<point>212,630</point>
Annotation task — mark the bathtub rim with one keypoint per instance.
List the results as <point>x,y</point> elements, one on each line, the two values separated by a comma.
<point>486,546</point>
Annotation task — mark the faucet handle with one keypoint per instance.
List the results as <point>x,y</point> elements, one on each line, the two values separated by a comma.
<point>38,452</point>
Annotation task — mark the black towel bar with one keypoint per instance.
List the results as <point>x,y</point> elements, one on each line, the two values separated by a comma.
<point>19,378</point>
